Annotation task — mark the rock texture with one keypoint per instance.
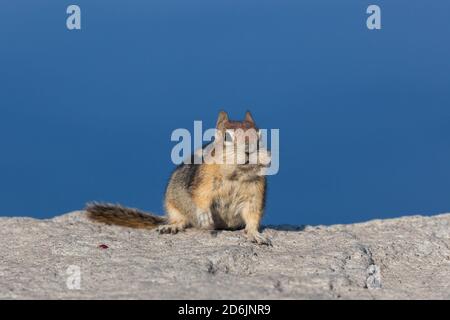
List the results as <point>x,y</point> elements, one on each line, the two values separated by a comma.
<point>382,259</point>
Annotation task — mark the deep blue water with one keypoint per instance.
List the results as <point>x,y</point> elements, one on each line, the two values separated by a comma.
<point>364,116</point>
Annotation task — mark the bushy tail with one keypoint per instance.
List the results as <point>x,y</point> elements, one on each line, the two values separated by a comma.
<point>121,216</point>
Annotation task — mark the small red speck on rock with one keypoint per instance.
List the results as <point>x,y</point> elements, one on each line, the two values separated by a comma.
<point>103,246</point>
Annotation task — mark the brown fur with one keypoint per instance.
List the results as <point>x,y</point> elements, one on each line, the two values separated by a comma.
<point>118,215</point>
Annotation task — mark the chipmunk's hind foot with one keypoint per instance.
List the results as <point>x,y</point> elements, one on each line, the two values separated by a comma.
<point>172,228</point>
<point>259,238</point>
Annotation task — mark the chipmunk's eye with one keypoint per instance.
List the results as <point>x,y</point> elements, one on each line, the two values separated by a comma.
<point>228,137</point>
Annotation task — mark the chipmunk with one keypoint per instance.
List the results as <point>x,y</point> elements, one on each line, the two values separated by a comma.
<point>212,195</point>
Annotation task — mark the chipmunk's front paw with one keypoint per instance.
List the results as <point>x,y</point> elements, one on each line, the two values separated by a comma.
<point>259,238</point>
<point>170,228</point>
<point>205,220</point>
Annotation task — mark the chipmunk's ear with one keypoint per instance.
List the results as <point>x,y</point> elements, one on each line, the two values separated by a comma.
<point>223,117</point>
<point>248,117</point>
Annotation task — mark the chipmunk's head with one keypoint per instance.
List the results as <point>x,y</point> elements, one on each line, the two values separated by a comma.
<point>241,136</point>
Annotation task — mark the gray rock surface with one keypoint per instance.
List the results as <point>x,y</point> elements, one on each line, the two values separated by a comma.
<point>399,258</point>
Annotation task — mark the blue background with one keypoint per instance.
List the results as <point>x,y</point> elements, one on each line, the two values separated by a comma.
<point>364,116</point>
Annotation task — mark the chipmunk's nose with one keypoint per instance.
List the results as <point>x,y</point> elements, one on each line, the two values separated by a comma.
<point>251,146</point>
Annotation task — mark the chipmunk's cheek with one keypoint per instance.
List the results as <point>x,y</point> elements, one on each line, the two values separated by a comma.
<point>265,158</point>
<point>242,158</point>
